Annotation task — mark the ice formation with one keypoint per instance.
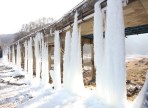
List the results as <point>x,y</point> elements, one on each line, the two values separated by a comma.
<point>98,49</point>
<point>5,55</point>
<point>114,60</point>
<point>57,68</point>
<point>37,55</point>
<point>18,58</point>
<point>13,55</point>
<point>26,56</point>
<point>30,60</point>
<point>141,99</point>
<point>45,70</point>
<point>9,54</point>
<point>66,59</point>
<point>76,84</point>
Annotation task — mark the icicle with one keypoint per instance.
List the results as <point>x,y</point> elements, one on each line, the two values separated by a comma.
<point>57,69</point>
<point>18,60</point>
<point>76,84</point>
<point>30,60</point>
<point>37,56</point>
<point>98,49</point>
<point>26,56</point>
<point>13,55</point>
<point>9,54</point>
<point>45,72</point>
<point>66,59</point>
<point>114,66</point>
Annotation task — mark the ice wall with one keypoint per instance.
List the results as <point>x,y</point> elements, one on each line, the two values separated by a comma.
<point>98,49</point>
<point>76,85</point>
<point>114,61</point>
<point>57,68</point>
<point>66,59</point>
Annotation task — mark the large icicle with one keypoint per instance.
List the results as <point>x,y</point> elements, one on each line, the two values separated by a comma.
<point>26,56</point>
<point>57,69</point>
<point>18,58</point>
<point>45,72</point>
<point>76,85</point>
<point>9,52</point>
<point>13,55</point>
<point>114,66</point>
<point>30,60</point>
<point>98,49</point>
<point>37,56</point>
<point>46,69</point>
<point>66,59</point>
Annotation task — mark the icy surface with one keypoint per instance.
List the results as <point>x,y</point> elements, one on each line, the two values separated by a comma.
<point>66,59</point>
<point>57,68</point>
<point>99,50</point>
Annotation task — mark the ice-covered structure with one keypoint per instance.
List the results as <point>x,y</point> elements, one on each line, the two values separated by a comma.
<point>57,68</point>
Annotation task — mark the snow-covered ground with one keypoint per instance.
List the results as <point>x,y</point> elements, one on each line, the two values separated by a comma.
<point>15,91</point>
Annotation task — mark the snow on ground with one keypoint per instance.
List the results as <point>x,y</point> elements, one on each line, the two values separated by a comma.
<point>16,92</point>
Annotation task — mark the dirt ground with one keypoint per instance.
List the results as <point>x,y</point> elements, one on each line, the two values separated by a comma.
<point>136,69</point>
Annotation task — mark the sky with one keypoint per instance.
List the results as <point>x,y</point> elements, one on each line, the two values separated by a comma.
<point>14,13</point>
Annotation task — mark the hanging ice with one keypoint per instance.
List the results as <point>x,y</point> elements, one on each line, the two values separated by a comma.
<point>13,55</point>
<point>57,69</point>
<point>37,40</point>
<point>26,56</point>
<point>98,49</point>
<point>9,53</point>
<point>30,60</point>
<point>76,85</point>
<point>5,55</point>
<point>66,71</point>
<point>114,64</point>
<point>45,72</point>
<point>18,58</point>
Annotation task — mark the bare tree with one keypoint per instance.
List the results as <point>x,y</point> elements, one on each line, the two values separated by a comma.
<point>33,26</point>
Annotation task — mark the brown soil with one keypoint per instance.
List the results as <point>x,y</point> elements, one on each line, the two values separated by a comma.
<point>136,71</point>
